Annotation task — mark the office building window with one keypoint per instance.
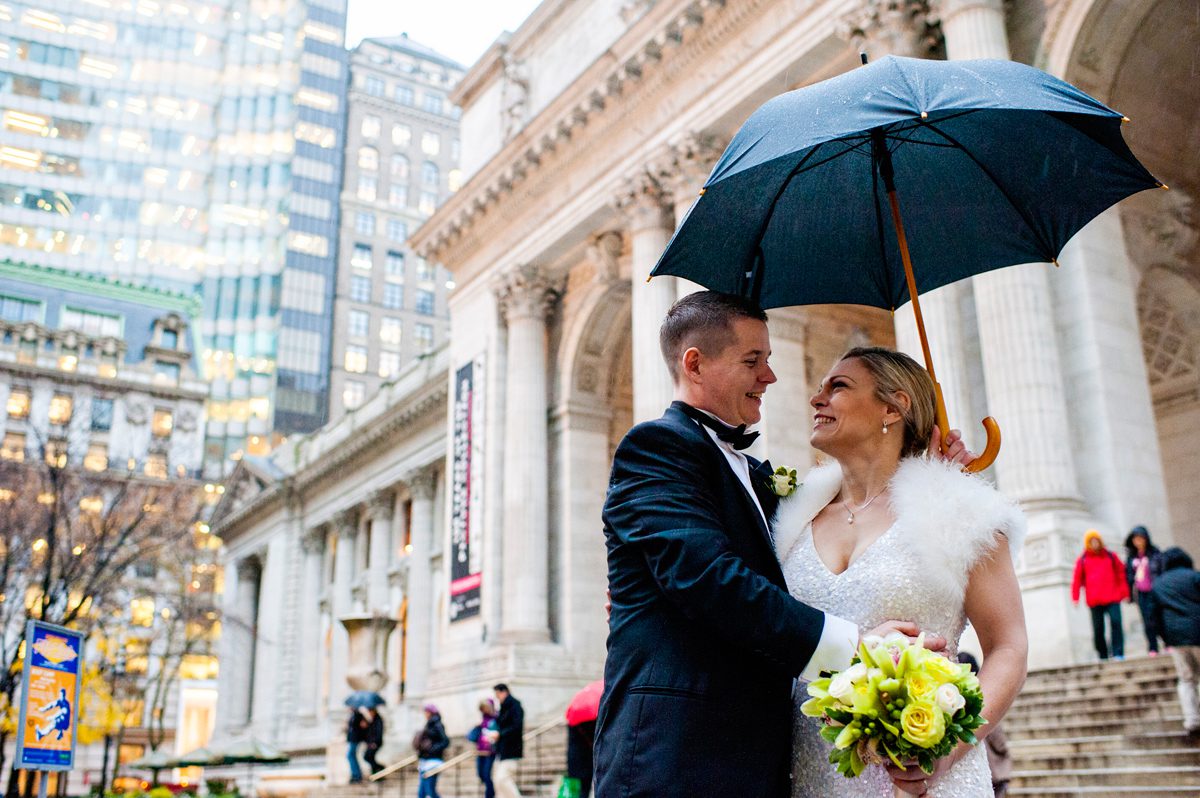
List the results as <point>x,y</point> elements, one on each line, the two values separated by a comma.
<point>162,423</point>
<point>433,102</point>
<point>102,415</point>
<point>368,187</point>
<point>431,143</point>
<point>397,231</point>
<point>166,373</point>
<point>394,266</point>
<point>404,94</point>
<point>18,403</point>
<point>353,394</point>
<point>425,300</point>
<point>13,447</point>
<point>424,271</point>
<point>370,128</point>
<point>429,174</point>
<point>361,257</point>
<point>400,167</point>
<point>390,330</point>
<point>423,333</point>
<point>376,87</point>
<point>355,360</point>
<point>169,339</point>
<point>62,406</point>
<point>398,195</point>
<point>15,309</point>
<point>90,323</point>
<point>96,458</point>
<point>428,203</point>
<point>368,158</point>
<point>401,135</point>
<point>364,223</point>
<point>358,323</point>
<point>389,364</point>
<point>156,465</point>
<point>393,295</point>
<point>360,288</point>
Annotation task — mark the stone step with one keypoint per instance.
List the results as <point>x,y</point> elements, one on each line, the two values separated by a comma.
<point>1099,721</point>
<point>1146,757</point>
<point>1108,669</point>
<point>1129,744</point>
<point>1059,704</point>
<point>1129,776</point>
<point>1099,685</point>
<point>1161,791</point>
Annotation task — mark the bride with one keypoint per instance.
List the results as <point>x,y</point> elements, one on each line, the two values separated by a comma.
<point>886,532</point>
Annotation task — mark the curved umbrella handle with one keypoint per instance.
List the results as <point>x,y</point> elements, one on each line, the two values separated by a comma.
<point>991,450</point>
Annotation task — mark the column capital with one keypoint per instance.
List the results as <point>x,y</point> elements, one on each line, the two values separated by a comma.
<point>249,567</point>
<point>682,166</point>
<point>313,540</point>
<point>604,251</point>
<point>422,483</point>
<point>381,504</point>
<point>526,291</point>
<point>892,27</point>
<point>645,203</point>
<point>346,523</point>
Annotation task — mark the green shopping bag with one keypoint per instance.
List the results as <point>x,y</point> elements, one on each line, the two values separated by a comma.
<point>570,788</point>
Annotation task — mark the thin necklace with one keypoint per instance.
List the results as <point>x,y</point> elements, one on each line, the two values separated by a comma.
<point>850,513</point>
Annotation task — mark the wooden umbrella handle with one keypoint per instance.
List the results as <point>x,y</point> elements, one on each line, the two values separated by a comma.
<point>990,450</point>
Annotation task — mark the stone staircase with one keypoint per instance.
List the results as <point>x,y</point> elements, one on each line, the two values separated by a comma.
<point>1103,730</point>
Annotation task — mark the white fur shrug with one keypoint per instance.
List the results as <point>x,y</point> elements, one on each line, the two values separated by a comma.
<point>950,517</point>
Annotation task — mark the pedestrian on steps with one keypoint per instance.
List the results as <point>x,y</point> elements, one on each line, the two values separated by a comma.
<point>356,730</point>
<point>431,744</point>
<point>485,752</point>
<point>1101,574</point>
<point>1177,605</point>
<point>509,739</point>
<point>1143,564</point>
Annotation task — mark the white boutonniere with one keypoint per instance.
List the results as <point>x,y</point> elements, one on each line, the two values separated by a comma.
<point>783,482</point>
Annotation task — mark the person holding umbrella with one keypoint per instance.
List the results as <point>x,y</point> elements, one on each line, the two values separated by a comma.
<point>581,734</point>
<point>358,730</point>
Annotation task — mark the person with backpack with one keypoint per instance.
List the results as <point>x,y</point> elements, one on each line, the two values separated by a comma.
<point>1101,574</point>
<point>1177,607</point>
<point>1143,564</point>
<point>430,744</point>
<point>485,752</point>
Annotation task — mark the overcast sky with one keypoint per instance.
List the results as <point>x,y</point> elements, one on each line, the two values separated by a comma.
<point>461,29</point>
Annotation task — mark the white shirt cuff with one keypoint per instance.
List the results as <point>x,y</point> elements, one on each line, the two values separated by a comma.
<point>835,649</point>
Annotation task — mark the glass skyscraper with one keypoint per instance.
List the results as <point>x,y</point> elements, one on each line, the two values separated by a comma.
<point>193,145</point>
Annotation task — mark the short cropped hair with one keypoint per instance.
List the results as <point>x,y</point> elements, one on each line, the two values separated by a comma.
<point>703,320</point>
<point>500,688</point>
<point>896,372</point>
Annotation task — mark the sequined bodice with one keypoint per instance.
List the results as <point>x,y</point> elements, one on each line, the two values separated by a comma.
<point>887,581</point>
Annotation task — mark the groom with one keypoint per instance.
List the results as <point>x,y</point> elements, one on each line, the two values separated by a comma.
<point>704,639</point>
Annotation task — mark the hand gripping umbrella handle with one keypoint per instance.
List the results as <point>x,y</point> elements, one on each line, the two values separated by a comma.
<point>990,450</point>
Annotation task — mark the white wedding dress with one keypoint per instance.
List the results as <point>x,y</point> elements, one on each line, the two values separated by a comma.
<point>916,571</point>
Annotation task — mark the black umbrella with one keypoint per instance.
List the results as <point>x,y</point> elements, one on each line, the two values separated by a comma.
<point>998,163</point>
<point>366,699</point>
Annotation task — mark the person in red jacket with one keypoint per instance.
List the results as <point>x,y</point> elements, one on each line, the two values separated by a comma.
<point>1101,574</point>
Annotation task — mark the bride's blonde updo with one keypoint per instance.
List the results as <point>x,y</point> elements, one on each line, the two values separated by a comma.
<point>895,372</point>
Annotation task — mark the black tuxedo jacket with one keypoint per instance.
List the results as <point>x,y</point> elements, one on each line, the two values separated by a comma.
<point>704,640</point>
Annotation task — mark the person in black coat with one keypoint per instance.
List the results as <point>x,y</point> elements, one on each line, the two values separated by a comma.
<point>704,640</point>
<point>373,737</point>
<point>1143,564</point>
<point>509,742</point>
<point>431,744</point>
<point>1177,605</point>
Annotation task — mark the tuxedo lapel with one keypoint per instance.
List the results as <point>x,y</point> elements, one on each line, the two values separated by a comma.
<point>760,478</point>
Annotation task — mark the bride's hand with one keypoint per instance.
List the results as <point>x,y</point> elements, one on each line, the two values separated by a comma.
<point>933,642</point>
<point>956,449</point>
<point>914,781</point>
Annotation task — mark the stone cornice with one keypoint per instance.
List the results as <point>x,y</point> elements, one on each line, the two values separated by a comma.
<point>631,59</point>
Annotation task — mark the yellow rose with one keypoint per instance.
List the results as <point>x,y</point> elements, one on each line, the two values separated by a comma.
<point>943,670</point>
<point>923,724</point>
<point>920,685</point>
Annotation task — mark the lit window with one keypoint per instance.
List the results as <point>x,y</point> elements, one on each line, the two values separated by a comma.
<point>13,447</point>
<point>423,333</point>
<point>400,167</point>
<point>96,458</point>
<point>141,611</point>
<point>398,195</point>
<point>353,394</point>
<point>368,158</point>
<point>166,373</point>
<point>360,288</point>
<point>358,324</point>
<point>370,127</point>
<point>61,407</point>
<point>401,135</point>
<point>431,143</point>
<point>390,330</point>
<point>102,414</point>
<point>364,223</point>
<point>162,423</point>
<point>356,359</point>
<point>397,231</point>
<point>68,360</point>
<point>425,302</point>
<point>394,266</point>
<point>18,403</point>
<point>198,666</point>
<point>393,295</point>
<point>389,364</point>
<point>56,452</point>
<point>156,466</point>
<point>368,187</point>
<point>428,203</point>
<point>455,179</point>
<point>361,257</point>
<point>108,365</point>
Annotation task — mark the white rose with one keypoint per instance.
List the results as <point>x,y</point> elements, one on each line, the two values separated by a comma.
<point>783,484</point>
<point>871,641</point>
<point>842,688</point>
<point>949,699</point>
<point>857,672</point>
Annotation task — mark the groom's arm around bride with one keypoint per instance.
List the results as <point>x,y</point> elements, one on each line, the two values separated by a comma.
<point>704,639</point>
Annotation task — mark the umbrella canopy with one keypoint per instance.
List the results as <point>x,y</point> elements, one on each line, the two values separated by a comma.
<point>586,704</point>
<point>200,757</point>
<point>368,699</point>
<point>995,163</point>
<point>252,751</point>
<point>154,760</point>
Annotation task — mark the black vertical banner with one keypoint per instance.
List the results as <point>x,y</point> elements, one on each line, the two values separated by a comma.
<point>465,572</point>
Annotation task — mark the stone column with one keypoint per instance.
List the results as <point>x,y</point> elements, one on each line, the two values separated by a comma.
<point>313,546</point>
<point>651,222</point>
<point>380,509</point>
<point>421,487</point>
<point>345,524</point>
<point>973,28</point>
<point>526,295</point>
<point>681,171</point>
<point>249,576</point>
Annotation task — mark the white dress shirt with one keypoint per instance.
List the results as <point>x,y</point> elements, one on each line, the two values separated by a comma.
<point>839,637</point>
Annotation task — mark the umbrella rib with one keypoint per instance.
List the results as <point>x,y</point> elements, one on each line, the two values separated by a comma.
<point>1003,191</point>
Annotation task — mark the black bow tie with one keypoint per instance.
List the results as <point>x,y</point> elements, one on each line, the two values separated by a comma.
<point>737,437</point>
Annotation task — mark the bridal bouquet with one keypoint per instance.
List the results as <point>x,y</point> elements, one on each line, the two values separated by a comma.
<point>896,701</point>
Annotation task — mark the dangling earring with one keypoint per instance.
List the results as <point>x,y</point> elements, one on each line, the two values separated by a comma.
<point>885,429</point>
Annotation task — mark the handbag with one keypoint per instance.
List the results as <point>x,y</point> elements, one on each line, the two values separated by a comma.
<point>570,788</point>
